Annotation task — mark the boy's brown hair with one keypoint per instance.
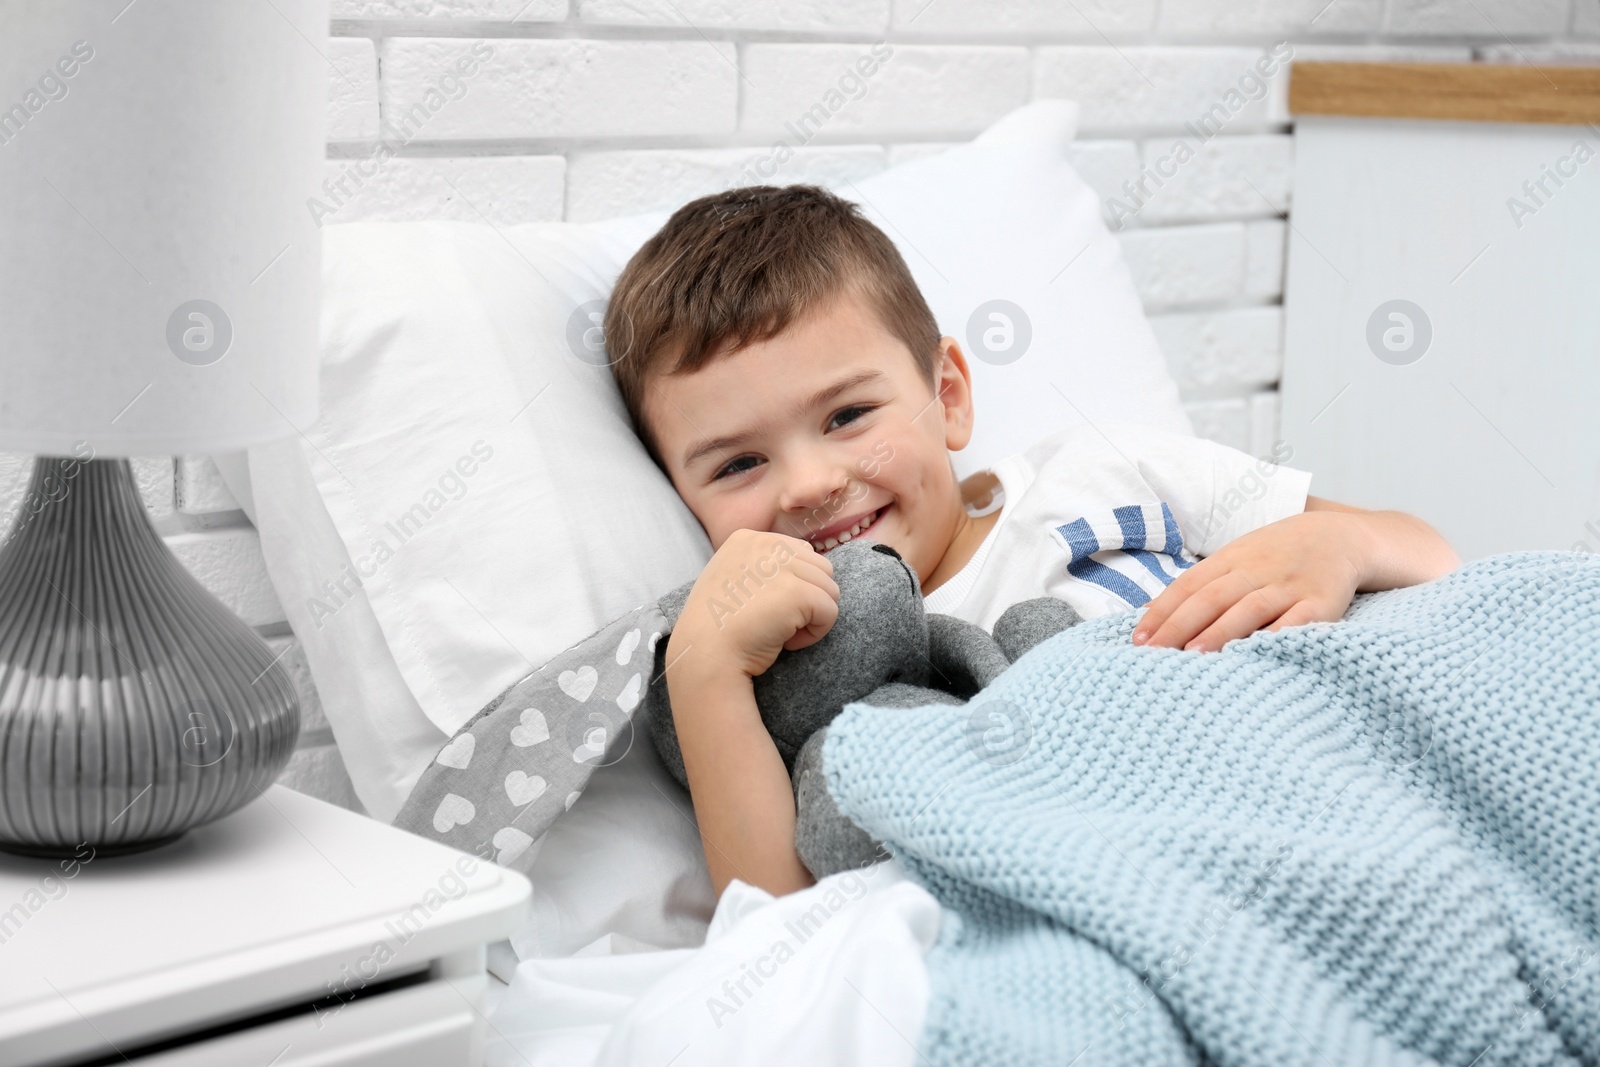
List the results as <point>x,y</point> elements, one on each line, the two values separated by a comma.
<point>737,268</point>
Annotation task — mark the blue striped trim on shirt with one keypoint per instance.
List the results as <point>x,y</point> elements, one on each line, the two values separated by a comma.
<point>1155,545</point>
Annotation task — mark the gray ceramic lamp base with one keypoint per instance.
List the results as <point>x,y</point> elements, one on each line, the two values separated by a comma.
<point>133,704</point>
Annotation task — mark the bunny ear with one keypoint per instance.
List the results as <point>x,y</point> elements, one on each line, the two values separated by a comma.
<point>657,705</point>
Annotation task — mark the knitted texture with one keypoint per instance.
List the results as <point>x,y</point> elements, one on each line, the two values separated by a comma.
<point>1370,841</point>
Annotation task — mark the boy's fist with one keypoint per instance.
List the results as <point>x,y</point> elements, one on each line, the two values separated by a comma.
<point>761,593</point>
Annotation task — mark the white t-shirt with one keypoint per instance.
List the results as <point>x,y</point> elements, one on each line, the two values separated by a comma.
<point>1104,517</point>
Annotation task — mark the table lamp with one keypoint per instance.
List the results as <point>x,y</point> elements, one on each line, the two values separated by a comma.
<point>159,271</point>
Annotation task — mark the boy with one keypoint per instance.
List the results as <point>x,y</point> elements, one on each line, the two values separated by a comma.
<point>781,366</point>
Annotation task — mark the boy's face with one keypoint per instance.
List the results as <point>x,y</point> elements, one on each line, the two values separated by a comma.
<point>825,424</point>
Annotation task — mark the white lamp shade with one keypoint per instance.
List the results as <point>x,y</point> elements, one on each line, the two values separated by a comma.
<point>159,267</point>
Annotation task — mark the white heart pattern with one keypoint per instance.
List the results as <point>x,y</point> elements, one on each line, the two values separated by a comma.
<point>572,798</point>
<point>533,729</point>
<point>512,843</point>
<point>522,789</point>
<point>580,683</point>
<point>458,753</point>
<point>630,641</point>
<point>453,811</point>
<point>628,699</point>
<point>593,747</point>
<point>653,639</point>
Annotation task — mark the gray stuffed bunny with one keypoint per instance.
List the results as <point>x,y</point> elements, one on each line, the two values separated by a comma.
<point>884,649</point>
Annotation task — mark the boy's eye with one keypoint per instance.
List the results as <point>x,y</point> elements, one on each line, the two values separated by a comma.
<point>857,411</point>
<point>732,467</point>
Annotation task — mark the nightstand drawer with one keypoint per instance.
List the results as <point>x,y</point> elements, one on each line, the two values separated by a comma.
<point>432,1024</point>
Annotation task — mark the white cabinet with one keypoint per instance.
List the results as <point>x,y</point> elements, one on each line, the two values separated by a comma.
<point>1442,338</point>
<point>291,933</point>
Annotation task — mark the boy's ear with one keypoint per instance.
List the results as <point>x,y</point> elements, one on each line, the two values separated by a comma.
<point>954,389</point>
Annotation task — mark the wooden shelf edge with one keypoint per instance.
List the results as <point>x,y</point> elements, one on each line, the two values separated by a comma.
<point>1472,92</point>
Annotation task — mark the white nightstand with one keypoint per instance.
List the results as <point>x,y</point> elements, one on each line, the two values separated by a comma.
<point>290,933</point>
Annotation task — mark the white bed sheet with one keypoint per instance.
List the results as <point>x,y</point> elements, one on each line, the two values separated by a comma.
<point>832,974</point>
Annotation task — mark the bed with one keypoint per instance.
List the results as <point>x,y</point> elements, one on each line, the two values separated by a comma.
<point>471,502</point>
<point>450,347</point>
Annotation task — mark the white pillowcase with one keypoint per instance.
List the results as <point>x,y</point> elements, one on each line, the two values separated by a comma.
<point>1006,218</point>
<point>431,333</point>
<point>482,482</point>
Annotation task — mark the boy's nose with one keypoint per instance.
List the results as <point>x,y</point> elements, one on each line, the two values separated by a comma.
<point>821,500</point>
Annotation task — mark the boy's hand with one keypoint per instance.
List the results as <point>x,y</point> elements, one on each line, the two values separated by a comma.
<point>1304,568</point>
<point>1297,570</point>
<point>759,594</point>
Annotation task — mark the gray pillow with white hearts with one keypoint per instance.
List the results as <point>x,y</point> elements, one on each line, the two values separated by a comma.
<point>523,760</point>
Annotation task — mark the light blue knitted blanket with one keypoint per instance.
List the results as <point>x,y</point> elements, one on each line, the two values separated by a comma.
<point>1371,841</point>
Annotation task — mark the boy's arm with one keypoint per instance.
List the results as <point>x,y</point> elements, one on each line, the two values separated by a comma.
<point>1403,550</point>
<point>742,796</point>
<point>1300,569</point>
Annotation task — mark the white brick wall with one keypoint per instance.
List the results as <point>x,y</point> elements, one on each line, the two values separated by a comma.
<point>527,89</point>
<point>510,111</point>
<point>604,185</point>
<point>917,89</point>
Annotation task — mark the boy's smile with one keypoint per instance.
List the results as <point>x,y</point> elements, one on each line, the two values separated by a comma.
<point>826,430</point>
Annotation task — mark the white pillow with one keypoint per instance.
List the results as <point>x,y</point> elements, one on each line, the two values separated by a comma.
<point>625,863</point>
<point>439,337</point>
<point>1006,218</point>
